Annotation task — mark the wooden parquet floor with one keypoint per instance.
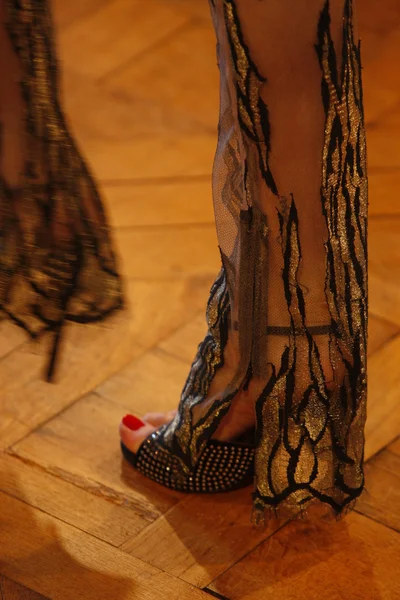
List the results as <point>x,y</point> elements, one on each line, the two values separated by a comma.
<point>75,522</point>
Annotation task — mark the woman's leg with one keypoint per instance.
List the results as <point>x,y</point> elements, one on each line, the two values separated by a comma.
<point>56,259</point>
<point>11,108</point>
<point>287,315</point>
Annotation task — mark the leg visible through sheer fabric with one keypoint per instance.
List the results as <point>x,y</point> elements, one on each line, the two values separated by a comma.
<point>287,314</point>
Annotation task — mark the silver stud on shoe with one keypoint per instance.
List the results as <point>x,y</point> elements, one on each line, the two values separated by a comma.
<point>219,468</point>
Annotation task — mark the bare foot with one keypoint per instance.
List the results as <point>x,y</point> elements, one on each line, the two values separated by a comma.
<point>239,419</point>
<point>241,415</point>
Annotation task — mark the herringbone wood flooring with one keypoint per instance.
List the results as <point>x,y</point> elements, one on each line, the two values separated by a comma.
<point>77,523</point>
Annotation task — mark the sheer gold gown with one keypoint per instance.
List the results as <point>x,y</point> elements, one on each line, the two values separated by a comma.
<point>290,196</point>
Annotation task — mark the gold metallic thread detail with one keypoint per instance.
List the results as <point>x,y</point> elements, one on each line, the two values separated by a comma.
<point>182,430</point>
<point>331,422</point>
<point>251,108</point>
<point>65,267</point>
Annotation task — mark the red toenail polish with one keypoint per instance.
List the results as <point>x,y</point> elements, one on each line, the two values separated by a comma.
<point>133,422</point>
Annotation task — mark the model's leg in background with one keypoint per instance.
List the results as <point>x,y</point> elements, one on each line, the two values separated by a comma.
<point>56,259</point>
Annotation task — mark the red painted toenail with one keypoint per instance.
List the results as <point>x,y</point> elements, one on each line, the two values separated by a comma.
<point>133,422</point>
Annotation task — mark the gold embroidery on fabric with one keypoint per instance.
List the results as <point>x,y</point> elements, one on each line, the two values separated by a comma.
<point>323,446</point>
<point>64,267</point>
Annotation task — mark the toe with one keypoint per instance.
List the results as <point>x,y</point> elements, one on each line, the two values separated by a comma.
<point>155,418</point>
<point>133,439</point>
<point>159,418</point>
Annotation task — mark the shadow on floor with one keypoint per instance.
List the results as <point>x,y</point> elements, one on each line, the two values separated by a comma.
<point>33,553</point>
<point>203,538</point>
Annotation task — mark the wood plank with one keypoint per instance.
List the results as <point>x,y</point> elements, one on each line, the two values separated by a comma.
<point>10,590</point>
<point>11,337</point>
<point>356,558</point>
<point>392,118</point>
<point>194,8</point>
<point>106,34</point>
<point>160,204</point>
<point>178,90</point>
<point>201,537</point>
<point>81,445</point>
<point>380,100</point>
<point>380,332</point>
<point>59,561</point>
<point>184,342</point>
<point>99,514</point>
<point>116,116</point>
<point>117,123</point>
<point>152,382</point>
<point>110,116</point>
<point>383,146</point>
<point>65,13</point>
<point>395,447</point>
<point>384,293</point>
<point>384,268</point>
<point>149,157</point>
<point>160,307</point>
<point>383,20</point>
<point>87,357</point>
<point>383,189</point>
<point>380,42</point>
<point>383,415</point>
<point>371,43</point>
<point>176,251</point>
<point>381,500</point>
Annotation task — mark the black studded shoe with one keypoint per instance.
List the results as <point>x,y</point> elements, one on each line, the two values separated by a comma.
<point>222,466</point>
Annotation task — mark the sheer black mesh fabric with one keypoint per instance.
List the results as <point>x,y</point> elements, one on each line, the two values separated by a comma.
<point>56,260</point>
<point>290,196</point>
